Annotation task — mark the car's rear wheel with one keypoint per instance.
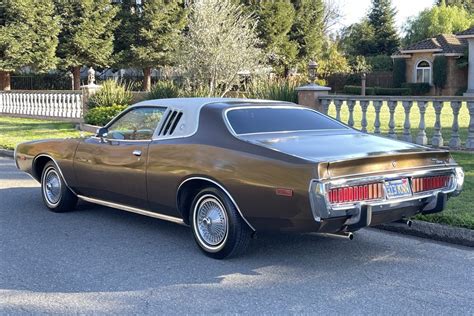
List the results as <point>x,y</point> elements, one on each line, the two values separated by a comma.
<point>217,226</point>
<point>56,195</point>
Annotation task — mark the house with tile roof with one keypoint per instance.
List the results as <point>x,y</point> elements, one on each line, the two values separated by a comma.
<point>420,57</point>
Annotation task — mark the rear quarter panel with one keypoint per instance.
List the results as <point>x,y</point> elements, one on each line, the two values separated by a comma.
<point>251,179</point>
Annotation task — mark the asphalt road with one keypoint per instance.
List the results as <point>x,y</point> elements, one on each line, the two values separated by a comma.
<point>99,260</point>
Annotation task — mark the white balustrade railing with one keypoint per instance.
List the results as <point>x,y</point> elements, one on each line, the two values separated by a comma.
<point>408,106</point>
<point>45,104</point>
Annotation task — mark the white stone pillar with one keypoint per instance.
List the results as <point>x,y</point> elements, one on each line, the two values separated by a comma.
<point>309,96</point>
<point>87,92</point>
<point>470,77</point>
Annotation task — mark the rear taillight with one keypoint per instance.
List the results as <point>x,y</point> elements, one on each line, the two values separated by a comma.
<point>430,183</point>
<point>358,193</point>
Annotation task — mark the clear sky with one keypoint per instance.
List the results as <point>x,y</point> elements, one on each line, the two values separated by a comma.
<point>355,10</point>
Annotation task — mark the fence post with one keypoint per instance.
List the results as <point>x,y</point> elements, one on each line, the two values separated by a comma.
<point>392,105</point>
<point>325,105</point>
<point>377,106</point>
<point>421,139</point>
<point>309,96</point>
<point>455,141</point>
<point>338,104</point>
<point>437,140</point>
<point>407,125</point>
<point>470,137</point>
<point>87,92</point>
<point>351,105</point>
<point>364,105</point>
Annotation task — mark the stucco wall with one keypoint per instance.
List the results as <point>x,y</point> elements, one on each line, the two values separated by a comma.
<point>456,78</point>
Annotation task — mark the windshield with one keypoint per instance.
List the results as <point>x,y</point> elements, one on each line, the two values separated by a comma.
<point>278,119</point>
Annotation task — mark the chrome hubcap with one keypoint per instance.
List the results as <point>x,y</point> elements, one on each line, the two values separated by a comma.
<point>211,221</point>
<point>52,186</point>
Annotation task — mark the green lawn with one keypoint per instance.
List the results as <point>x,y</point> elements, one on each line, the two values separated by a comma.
<point>16,130</point>
<point>460,210</point>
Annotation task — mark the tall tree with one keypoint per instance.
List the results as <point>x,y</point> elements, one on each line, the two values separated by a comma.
<point>150,35</point>
<point>441,19</point>
<point>221,41</point>
<point>382,19</point>
<point>276,19</point>
<point>308,28</point>
<point>87,34</point>
<point>359,39</point>
<point>466,4</point>
<point>28,37</point>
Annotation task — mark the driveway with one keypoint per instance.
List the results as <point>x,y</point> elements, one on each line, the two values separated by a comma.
<point>101,260</point>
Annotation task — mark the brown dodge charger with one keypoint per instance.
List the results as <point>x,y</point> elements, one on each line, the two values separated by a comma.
<point>232,167</point>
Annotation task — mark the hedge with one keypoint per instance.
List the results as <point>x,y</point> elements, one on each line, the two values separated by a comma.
<point>100,116</point>
<point>440,71</point>
<point>418,88</point>
<point>356,90</point>
<point>392,91</point>
<point>399,72</point>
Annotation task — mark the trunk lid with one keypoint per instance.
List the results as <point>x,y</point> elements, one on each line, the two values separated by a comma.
<point>349,152</point>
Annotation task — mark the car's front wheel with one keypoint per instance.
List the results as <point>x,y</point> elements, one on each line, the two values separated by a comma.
<point>217,226</point>
<point>56,195</point>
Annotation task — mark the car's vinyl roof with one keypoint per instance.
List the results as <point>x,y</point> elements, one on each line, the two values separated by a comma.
<point>191,107</point>
<point>187,103</point>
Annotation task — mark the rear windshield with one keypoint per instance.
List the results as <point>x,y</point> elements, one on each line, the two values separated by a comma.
<point>267,120</point>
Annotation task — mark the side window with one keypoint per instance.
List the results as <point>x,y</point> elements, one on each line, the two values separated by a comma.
<point>137,124</point>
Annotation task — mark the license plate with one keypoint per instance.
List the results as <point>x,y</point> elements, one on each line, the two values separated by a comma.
<point>398,188</point>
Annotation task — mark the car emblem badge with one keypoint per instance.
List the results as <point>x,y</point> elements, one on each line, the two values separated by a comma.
<point>394,164</point>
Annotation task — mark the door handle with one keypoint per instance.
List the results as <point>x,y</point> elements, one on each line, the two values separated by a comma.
<point>137,152</point>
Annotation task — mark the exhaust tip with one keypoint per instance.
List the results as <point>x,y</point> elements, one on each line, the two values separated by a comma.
<point>409,223</point>
<point>350,236</point>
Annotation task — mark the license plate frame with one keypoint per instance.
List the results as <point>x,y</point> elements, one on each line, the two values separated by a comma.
<point>398,188</point>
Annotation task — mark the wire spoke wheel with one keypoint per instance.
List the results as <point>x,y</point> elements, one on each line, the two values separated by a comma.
<point>52,187</point>
<point>211,222</point>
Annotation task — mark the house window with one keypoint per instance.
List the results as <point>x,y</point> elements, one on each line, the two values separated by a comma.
<point>423,72</point>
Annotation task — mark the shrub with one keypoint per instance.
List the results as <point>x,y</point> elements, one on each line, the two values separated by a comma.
<point>399,72</point>
<point>357,90</point>
<point>418,88</point>
<point>440,71</point>
<point>380,63</point>
<point>392,91</point>
<point>102,115</point>
<point>281,90</point>
<point>199,92</point>
<point>111,93</point>
<point>164,89</point>
<point>460,91</point>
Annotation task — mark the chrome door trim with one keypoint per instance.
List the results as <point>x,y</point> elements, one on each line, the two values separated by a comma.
<point>223,189</point>
<point>133,210</point>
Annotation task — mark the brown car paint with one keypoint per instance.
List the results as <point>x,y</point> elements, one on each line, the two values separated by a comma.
<point>250,168</point>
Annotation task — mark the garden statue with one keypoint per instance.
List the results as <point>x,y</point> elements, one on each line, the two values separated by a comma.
<point>91,76</point>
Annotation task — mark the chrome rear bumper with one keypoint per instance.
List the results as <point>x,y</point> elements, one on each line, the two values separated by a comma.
<point>366,213</point>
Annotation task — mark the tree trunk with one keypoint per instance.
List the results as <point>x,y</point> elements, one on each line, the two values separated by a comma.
<point>147,79</point>
<point>76,74</point>
<point>4,80</point>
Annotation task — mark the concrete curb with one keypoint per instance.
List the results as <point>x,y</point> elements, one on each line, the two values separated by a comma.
<point>453,235</point>
<point>6,153</point>
<point>88,128</point>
